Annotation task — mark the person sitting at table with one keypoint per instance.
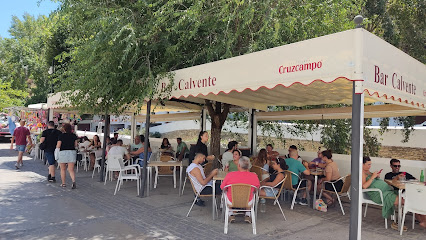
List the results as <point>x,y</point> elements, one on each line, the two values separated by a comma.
<point>242,176</point>
<point>317,161</point>
<point>298,168</point>
<point>262,160</point>
<point>294,148</point>
<point>271,154</point>
<point>141,152</point>
<point>95,143</point>
<point>395,165</point>
<point>201,147</point>
<point>137,144</point>
<point>181,149</point>
<point>84,143</point>
<point>331,173</point>
<point>233,165</point>
<point>279,165</point>
<point>390,199</point>
<point>117,149</point>
<point>228,154</point>
<point>197,174</point>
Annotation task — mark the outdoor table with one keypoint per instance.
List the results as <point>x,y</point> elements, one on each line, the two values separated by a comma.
<point>401,186</point>
<point>165,164</point>
<point>316,173</point>
<point>220,176</point>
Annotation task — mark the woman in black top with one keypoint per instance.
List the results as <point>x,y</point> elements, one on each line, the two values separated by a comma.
<point>201,147</point>
<point>279,165</point>
<point>67,144</point>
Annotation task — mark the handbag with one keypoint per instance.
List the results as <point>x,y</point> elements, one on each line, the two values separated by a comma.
<point>320,205</point>
<point>42,145</point>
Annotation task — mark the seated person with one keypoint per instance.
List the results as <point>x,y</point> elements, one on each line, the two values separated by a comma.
<point>166,147</point>
<point>233,165</point>
<point>95,143</point>
<point>294,148</point>
<point>181,149</point>
<point>279,165</point>
<point>137,144</point>
<point>262,161</point>
<point>270,152</point>
<point>197,174</point>
<point>228,154</point>
<point>117,149</point>
<point>395,165</point>
<point>244,176</point>
<point>317,161</point>
<point>331,173</point>
<point>390,199</point>
<point>297,167</point>
<point>140,153</point>
<point>84,143</point>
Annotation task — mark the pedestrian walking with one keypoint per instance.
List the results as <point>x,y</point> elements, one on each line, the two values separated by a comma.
<point>49,140</point>
<point>20,136</point>
<point>67,144</point>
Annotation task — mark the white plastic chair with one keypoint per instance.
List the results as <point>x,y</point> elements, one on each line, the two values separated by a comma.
<point>343,192</point>
<point>366,199</point>
<point>194,183</point>
<point>112,168</point>
<point>116,162</point>
<point>415,195</point>
<point>97,166</point>
<point>240,202</point>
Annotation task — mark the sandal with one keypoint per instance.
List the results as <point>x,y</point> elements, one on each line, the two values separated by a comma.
<point>63,185</point>
<point>73,186</point>
<point>331,203</point>
<point>394,226</point>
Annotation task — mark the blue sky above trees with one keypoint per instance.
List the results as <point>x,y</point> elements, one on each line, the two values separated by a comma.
<point>19,8</point>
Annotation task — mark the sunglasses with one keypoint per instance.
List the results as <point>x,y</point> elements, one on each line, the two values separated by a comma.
<point>397,166</point>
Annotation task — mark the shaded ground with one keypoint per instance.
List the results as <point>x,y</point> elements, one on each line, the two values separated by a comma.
<point>32,208</point>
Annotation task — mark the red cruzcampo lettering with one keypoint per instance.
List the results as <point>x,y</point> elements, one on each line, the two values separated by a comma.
<point>199,83</point>
<point>300,67</point>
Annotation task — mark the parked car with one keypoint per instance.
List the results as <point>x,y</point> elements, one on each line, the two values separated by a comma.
<point>4,127</point>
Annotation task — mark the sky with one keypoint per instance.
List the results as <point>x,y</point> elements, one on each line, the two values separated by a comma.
<point>17,8</point>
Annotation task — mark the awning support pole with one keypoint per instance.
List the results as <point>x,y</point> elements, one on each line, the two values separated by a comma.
<point>356,164</point>
<point>132,128</point>
<point>203,119</point>
<point>253,132</point>
<point>104,145</point>
<point>145,147</point>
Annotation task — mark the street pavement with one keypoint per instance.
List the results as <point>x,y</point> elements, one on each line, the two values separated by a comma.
<point>32,208</point>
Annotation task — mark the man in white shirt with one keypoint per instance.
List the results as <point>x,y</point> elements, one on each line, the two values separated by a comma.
<point>118,150</point>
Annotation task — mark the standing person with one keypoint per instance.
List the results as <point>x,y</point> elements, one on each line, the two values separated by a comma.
<point>21,134</point>
<point>115,136</point>
<point>228,154</point>
<point>67,144</point>
<point>201,147</point>
<point>50,136</point>
<point>181,149</point>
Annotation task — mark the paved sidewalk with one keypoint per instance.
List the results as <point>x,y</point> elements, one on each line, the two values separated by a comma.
<point>32,208</point>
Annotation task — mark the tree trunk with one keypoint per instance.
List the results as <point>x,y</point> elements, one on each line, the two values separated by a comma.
<point>218,115</point>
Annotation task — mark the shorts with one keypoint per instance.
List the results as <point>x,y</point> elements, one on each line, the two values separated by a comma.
<point>67,156</point>
<point>271,192</point>
<point>50,156</point>
<point>338,185</point>
<point>21,148</point>
<point>302,185</point>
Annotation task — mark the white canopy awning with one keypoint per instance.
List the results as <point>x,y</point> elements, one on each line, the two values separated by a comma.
<point>328,65</point>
